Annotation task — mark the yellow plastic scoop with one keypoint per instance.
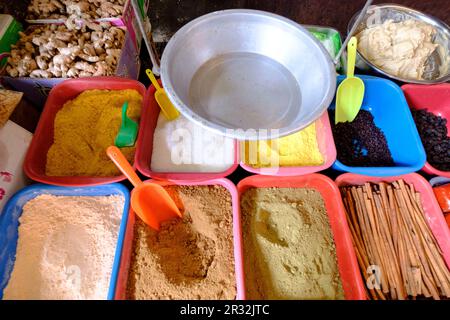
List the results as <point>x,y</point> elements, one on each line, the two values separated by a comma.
<point>167,108</point>
<point>350,93</point>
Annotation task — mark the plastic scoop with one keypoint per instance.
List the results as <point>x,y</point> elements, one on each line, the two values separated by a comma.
<point>150,201</point>
<point>350,93</point>
<point>167,108</point>
<point>126,137</point>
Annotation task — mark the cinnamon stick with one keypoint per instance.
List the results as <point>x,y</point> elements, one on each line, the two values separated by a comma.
<point>389,250</point>
<point>414,247</point>
<point>376,244</point>
<point>435,261</point>
<point>389,229</point>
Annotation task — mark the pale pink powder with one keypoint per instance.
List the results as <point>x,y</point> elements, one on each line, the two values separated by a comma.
<point>66,248</point>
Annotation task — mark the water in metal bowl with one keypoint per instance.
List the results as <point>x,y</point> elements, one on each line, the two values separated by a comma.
<point>437,67</point>
<point>239,71</point>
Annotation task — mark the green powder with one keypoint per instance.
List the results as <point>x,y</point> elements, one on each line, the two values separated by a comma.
<point>289,252</point>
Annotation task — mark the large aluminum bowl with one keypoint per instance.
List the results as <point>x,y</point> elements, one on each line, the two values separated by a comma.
<point>247,69</point>
<point>437,67</point>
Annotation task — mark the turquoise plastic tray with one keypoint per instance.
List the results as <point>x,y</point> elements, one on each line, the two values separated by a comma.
<point>386,102</point>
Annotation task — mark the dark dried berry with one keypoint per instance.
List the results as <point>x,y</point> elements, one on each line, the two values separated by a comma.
<point>361,143</point>
<point>434,135</point>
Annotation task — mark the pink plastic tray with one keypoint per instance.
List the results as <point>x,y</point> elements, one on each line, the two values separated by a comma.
<point>436,99</point>
<point>144,150</point>
<point>348,266</point>
<point>326,146</point>
<point>430,205</point>
<point>36,158</point>
<point>127,248</point>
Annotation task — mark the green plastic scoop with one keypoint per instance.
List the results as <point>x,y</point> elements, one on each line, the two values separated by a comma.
<point>128,130</point>
<point>350,93</point>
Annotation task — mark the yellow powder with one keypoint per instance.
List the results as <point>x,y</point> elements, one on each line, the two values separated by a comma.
<point>85,127</point>
<point>298,149</point>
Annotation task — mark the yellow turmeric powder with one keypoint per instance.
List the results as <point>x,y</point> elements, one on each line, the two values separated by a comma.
<point>298,149</point>
<point>85,127</point>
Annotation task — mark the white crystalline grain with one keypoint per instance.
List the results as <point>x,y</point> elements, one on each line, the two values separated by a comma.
<point>65,248</point>
<point>183,146</point>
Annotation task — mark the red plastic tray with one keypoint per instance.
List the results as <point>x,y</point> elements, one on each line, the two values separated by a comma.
<point>36,158</point>
<point>435,99</point>
<point>144,149</point>
<point>125,259</point>
<point>433,213</point>
<point>352,282</point>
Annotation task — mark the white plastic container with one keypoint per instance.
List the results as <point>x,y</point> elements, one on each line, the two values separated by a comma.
<point>14,142</point>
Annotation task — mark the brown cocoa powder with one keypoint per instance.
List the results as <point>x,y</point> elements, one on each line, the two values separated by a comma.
<point>189,258</point>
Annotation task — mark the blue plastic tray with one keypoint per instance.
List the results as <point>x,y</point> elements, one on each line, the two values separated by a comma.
<point>386,102</point>
<point>9,224</point>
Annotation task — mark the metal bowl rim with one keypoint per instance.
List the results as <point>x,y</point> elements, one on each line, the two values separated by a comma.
<point>186,111</point>
<point>442,79</point>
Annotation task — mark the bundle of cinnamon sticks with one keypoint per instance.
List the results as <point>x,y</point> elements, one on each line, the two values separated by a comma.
<point>397,253</point>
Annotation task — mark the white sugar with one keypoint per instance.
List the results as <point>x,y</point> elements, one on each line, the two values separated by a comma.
<point>183,146</point>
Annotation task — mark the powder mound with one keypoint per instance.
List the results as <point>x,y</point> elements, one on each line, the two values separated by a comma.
<point>189,258</point>
<point>193,251</point>
<point>289,252</point>
<point>66,248</point>
<point>84,127</point>
<point>298,149</point>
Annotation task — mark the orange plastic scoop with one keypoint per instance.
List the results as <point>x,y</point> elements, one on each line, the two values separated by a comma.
<point>150,201</point>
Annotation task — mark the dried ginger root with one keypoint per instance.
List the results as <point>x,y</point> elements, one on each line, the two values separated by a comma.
<point>86,9</point>
<point>45,9</point>
<point>54,51</point>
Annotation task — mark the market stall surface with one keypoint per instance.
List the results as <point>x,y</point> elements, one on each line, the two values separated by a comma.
<point>231,243</point>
